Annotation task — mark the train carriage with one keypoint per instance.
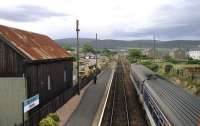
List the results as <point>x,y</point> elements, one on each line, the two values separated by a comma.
<point>165,103</point>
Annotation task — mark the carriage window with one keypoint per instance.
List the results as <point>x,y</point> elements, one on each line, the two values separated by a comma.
<point>49,82</point>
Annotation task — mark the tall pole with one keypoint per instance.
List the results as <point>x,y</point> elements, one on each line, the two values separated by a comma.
<point>77,54</point>
<point>154,47</point>
<point>96,53</point>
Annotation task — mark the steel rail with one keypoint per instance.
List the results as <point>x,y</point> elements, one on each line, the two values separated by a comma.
<point>119,74</point>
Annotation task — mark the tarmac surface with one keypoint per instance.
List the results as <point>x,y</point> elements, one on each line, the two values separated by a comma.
<point>86,110</point>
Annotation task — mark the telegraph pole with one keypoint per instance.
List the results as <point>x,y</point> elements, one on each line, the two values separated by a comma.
<point>96,53</point>
<point>154,47</point>
<point>77,54</point>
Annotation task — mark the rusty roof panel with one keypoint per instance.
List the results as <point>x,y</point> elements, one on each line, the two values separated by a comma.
<point>33,45</point>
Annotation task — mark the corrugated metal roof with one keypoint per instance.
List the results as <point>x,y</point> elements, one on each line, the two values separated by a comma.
<point>33,45</point>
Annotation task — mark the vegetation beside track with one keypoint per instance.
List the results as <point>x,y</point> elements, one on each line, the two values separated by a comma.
<point>185,73</point>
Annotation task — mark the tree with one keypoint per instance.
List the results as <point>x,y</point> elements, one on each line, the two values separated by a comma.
<point>134,54</point>
<point>106,52</point>
<point>67,47</point>
<point>87,48</point>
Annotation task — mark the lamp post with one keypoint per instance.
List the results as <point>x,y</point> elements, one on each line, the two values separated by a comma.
<point>96,53</point>
<point>77,53</point>
<point>154,48</point>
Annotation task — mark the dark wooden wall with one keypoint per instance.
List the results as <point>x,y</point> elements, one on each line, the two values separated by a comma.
<point>11,63</point>
<point>37,79</point>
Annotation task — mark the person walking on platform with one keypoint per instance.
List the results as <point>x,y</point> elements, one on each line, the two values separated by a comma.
<point>95,78</point>
<point>94,75</point>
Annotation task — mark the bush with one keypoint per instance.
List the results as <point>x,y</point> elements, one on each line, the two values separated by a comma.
<point>48,121</point>
<point>153,67</point>
<point>51,120</point>
<point>146,63</point>
<point>168,68</point>
<point>54,116</point>
<point>194,62</point>
<point>134,54</point>
<point>131,60</point>
<point>171,60</point>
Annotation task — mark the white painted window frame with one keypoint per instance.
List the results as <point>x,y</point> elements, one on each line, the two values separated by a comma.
<point>65,76</point>
<point>49,82</point>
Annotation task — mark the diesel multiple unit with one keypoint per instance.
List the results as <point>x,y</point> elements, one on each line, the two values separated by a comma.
<point>166,104</point>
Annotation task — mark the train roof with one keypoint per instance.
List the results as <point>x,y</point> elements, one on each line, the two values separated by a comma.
<point>180,107</point>
<point>142,72</point>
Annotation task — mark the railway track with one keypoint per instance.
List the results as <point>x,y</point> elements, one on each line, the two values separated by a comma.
<point>116,112</point>
<point>137,114</point>
<point>123,107</point>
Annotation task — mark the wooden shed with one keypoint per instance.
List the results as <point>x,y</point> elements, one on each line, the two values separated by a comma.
<point>46,67</point>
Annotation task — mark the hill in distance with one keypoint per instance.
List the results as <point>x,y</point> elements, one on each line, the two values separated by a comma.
<point>121,44</point>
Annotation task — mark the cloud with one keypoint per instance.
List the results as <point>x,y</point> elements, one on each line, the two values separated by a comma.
<point>172,32</point>
<point>169,22</point>
<point>27,13</point>
<point>121,19</point>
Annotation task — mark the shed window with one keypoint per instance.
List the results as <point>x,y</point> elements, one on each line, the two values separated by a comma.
<point>65,76</point>
<point>49,82</point>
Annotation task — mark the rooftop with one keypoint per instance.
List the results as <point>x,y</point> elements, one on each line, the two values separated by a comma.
<point>32,45</point>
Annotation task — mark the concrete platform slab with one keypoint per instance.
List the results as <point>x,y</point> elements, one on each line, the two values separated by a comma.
<point>91,99</point>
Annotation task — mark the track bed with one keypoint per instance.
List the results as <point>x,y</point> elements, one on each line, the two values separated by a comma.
<point>123,107</point>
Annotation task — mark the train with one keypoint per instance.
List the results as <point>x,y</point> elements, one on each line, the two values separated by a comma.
<point>165,103</point>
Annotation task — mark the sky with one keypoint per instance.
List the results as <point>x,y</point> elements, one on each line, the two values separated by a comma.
<point>111,19</point>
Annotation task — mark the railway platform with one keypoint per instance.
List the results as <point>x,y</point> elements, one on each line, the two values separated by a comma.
<point>88,111</point>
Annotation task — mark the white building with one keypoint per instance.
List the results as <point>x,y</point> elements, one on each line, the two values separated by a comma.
<point>194,53</point>
<point>90,56</point>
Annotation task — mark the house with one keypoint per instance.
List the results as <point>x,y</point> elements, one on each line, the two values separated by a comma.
<point>159,52</point>
<point>90,56</point>
<point>151,53</point>
<point>194,53</point>
<point>30,64</point>
<point>178,53</point>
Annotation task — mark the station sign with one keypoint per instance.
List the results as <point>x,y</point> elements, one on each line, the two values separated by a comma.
<point>30,103</point>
